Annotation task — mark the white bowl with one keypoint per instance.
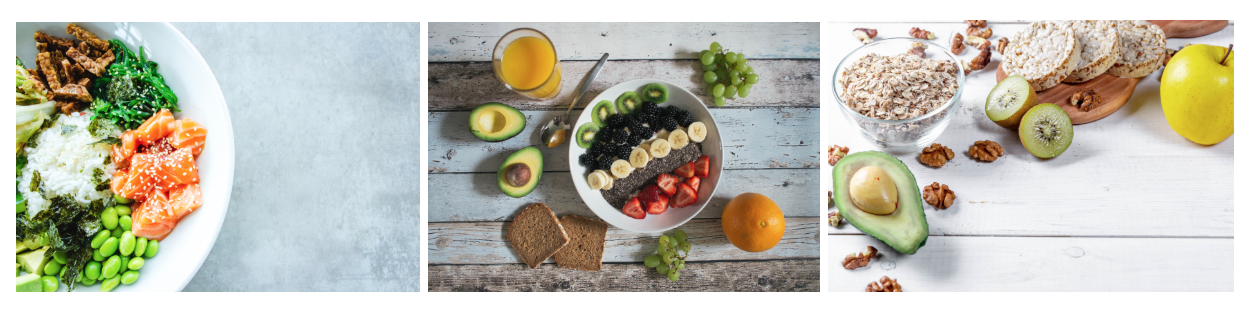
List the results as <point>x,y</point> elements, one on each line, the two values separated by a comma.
<point>674,217</point>
<point>200,99</point>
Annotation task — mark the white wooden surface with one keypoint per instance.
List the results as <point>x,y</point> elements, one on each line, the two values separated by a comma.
<point>1150,209</point>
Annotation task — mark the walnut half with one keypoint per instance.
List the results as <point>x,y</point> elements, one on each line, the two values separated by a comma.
<point>916,32</point>
<point>977,23</point>
<point>1086,99</point>
<point>864,35</point>
<point>985,150</point>
<point>957,44</point>
<point>859,260</point>
<point>1002,45</point>
<point>836,153</point>
<point>886,285</point>
<point>936,155</point>
<point>939,196</point>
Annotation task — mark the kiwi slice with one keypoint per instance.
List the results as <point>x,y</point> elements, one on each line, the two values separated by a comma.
<point>586,134</point>
<point>601,112</point>
<point>655,92</point>
<point>1009,100</point>
<point>1046,130</point>
<point>629,102</point>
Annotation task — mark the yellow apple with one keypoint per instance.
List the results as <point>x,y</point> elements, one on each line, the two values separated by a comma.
<point>1197,93</point>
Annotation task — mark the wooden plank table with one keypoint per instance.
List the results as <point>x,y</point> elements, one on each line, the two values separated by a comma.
<point>1131,205</point>
<point>769,143</point>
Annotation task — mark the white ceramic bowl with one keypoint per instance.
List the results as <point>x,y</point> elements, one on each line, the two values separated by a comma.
<point>200,99</point>
<point>674,217</point>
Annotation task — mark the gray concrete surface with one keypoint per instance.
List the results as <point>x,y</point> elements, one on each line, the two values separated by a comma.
<point>326,183</point>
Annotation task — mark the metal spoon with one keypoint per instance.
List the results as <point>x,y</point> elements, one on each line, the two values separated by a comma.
<point>556,131</point>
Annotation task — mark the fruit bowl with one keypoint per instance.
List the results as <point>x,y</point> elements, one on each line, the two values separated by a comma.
<point>906,135</point>
<point>673,217</point>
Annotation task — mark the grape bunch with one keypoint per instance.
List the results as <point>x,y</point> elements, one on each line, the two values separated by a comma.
<point>726,73</point>
<point>666,259</point>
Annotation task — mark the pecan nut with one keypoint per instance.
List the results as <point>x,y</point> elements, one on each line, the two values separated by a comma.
<point>859,260</point>
<point>976,23</point>
<point>836,153</point>
<point>916,32</point>
<point>1086,99</point>
<point>985,150</point>
<point>936,155</point>
<point>939,196</point>
<point>957,44</point>
<point>884,285</point>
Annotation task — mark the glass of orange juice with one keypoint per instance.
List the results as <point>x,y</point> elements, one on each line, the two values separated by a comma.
<point>526,62</point>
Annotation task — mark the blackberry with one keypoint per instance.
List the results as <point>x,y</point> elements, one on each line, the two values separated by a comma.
<point>584,160</point>
<point>649,107</point>
<point>604,163</point>
<point>622,151</point>
<point>600,148</point>
<point>684,119</point>
<point>614,120</point>
<point>668,123</point>
<point>612,134</point>
<point>640,131</point>
<point>671,111</point>
<point>634,140</point>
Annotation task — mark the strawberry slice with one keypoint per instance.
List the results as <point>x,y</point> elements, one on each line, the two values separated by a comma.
<point>685,196</point>
<point>658,207</point>
<point>633,209</point>
<point>701,168</point>
<point>667,183</point>
<point>693,182</point>
<point>685,171</point>
<point>651,193</point>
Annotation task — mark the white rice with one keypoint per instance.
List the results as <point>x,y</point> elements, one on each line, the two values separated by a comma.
<point>66,164</point>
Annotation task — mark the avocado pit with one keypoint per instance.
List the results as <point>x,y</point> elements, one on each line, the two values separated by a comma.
<point>873,191</point>
<point>518,174</point>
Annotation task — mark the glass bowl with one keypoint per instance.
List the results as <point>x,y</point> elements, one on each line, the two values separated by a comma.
<point>906,135</point>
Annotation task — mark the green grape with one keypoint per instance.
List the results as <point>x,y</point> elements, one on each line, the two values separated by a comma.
<point>652,261</point>
<point>742,65</point>
<point>719,101</point>
<point>707,58</point>
<point>672,244</point>
<point>731,57</point>
<point>723,74</point>
<point>744,90</point>
<point>742,57</point>
<point>663,269</point>
<point>667,257</point>
<point>720,59</point>
<point>701,53</point>
<point>680,265</point>
<point>662,249</point>
<point>718,90</point>
<point>680,235</point>
<point>715,47</point>
<point>709,77</point>
<point>709,67</point>
<point>663,239</point>
<point>752,79</point>
<point>730,91</point>
<point>735,77</point>
<point>674,275</point>
<point>685,247</point>
<point>750,70</point>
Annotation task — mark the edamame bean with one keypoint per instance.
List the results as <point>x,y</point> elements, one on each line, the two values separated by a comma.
<point>122,210</point>
<point>88,281</point>
<point>127,244</point>
<point>124,222</point>
<point>50,284</point>
<point>130,277</point>
<point>125,264</point>
<point>109,247</point>
<point>121,200</point>
<point>153,245</point>
<point>140,246</point>
<point>135,264</point>
<point>111,283</point>
<point>111,266</point>
<point>109,218</point>
<point>117,233</point>
<point>99,239</point>
<point>96,256</point>
<point>92,272</point>
<point>60,257</point>
<point>52,268</point>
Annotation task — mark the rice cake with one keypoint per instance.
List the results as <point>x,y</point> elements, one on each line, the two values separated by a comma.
<point>1044,53</point>
<point>1100,48</point>
<point>1143,47</point>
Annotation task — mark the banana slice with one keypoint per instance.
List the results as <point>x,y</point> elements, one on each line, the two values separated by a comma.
<point>621,168</point>
<point>597,180</point>
<point>663,134</point>
<point>610,180</point>
<point>646,146</point>
<point>639,158</point>
<point>678,139</point>
<point>697,131</point>
<point>659,148</point>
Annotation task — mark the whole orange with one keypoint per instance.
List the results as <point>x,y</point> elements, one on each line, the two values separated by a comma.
<point>753,222</point>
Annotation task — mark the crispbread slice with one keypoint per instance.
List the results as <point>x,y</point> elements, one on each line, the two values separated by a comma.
<point>586,239</point>
<point>536,234</point>
<point>1044,53</point>
<point>1100,48</point>
<point>1143,47</point>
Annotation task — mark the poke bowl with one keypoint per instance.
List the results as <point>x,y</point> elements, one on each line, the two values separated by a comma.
<point>193,232</point>
<point>671,217</point>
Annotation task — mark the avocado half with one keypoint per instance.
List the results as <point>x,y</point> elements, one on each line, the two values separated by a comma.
<point>906,229</point>
<point>494,122</point>
<point>530,157</point>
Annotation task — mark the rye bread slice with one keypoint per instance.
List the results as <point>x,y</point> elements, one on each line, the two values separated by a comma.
<point>536,234</point>
<point>585,249</point>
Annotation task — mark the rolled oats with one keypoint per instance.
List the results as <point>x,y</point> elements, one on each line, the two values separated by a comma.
<point>1044,53</point>
<point>898,87</point>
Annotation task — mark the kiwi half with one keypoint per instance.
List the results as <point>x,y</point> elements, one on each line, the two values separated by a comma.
<point>1046,130</point>
<point>586,134</point>
<point>601,112</point>
<point>655,93</point>
<point>628,102</point>
<point>1009,100</point>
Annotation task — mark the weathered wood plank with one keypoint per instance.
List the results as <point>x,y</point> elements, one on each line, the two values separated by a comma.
<point>1041,264</point>
<point>486,243</point>
<point>463,86</point>
<point>751,139</point>
<point>475,42</point>
<point>476,196</point>
<point>744,276</point>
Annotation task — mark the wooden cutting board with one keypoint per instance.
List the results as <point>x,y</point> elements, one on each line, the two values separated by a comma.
<point>1115,91</point>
